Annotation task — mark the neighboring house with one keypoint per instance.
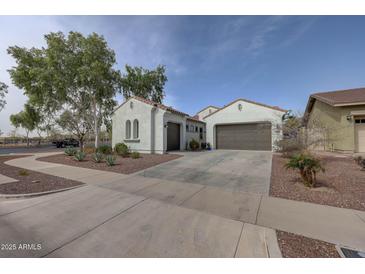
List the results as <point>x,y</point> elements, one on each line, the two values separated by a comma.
<point>206,111</point>
<point>146,126</point>
<point>340,116</point>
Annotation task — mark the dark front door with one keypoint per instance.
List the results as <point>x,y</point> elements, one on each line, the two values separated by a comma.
<point>255,136</point>
<point>173,136</point>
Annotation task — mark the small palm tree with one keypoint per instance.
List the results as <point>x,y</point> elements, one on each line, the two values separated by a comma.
<point>308,167</point>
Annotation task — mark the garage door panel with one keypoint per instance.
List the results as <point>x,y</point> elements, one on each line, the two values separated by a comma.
<point>244,136</point>
<point>173,136</point>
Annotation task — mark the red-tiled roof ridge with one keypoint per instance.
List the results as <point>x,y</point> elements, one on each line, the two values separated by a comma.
<point>194,119</point>
<point>161,106</point>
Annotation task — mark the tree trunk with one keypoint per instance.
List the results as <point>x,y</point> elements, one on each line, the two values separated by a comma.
<point>39,140</point>
<point>27,138</point>
<point>96,130</point>
<point>81,144</point>
<point>96,126</point>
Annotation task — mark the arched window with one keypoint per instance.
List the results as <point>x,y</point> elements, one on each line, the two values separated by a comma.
<point>128,129</point>
<point>135,129</point>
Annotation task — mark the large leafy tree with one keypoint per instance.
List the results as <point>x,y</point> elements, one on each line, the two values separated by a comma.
<point>148,84</point>
<point>72,73</point>
<point>3,91</point>
<point>28,119</point>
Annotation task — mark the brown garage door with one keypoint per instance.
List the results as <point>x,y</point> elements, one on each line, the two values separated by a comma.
<point>173,136</point>
<point>244,136</point>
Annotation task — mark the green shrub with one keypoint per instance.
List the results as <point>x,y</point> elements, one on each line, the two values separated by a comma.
<point>70,151</point>
<point>23,172</point>
<point>105,149</point>
<point>110,160</point>
<point>80,156</point>
<point>135,155</point>
<point>194,145</point>
<point>307,165</point>
<point>122,149</point>
<point>98,157</point>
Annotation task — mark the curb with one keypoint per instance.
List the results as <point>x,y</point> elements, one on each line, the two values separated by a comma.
<point>28,195</point>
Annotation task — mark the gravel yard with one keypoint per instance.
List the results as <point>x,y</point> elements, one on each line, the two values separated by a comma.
<point>296,246</point>
<point>30,181</point>
<point>342,184</point>
<point>123,165</point>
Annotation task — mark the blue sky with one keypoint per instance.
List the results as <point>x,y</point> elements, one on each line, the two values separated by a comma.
<point>212,60</point>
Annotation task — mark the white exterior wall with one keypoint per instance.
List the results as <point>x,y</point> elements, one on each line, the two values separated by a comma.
<point>250,113</point>
<point>150,123</point>
<point>159,131</point>
<point>206,112</point>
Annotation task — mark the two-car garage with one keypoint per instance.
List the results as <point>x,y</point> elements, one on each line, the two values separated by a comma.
<point>244,125</point>
<point>247,136</point>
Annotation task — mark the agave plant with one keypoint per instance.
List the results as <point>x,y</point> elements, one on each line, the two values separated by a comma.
<point>308,167</point>
<point>98,157</point>
<point>80,156</point>
<point>110,160</point>
<point>70,151</point>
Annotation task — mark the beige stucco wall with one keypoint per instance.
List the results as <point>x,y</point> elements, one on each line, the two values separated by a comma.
<point>250,113</point>
<point>340,133</point>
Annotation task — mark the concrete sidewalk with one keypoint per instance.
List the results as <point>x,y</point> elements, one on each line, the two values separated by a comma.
<point>85,175</point>
<point>181,201</point>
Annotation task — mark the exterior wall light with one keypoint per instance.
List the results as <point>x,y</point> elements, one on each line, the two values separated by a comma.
<point>349,117</point>
<point>131,104</point>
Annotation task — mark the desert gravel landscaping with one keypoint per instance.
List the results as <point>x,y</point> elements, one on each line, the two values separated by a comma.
<point>125,165</point>
<point>296,246</point>
<point>30,181</point>
<point>342,184</point>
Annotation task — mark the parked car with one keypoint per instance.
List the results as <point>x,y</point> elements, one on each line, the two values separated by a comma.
<point>68,142</point>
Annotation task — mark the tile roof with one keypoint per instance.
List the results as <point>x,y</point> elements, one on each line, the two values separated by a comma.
<point>341,97</point>
<point>152,103</point>
<point>161,106</point>
<point>195,119</point>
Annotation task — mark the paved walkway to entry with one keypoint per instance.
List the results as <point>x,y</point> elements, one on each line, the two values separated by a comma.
<point>118,215</point>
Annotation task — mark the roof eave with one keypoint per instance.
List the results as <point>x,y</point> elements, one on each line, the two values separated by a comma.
<point>247,101</point>
<point>349,104</point>
<point>210,106</point>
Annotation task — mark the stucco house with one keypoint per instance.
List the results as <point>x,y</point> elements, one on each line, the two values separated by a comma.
<point>148,127</point>
<point>341,115</point>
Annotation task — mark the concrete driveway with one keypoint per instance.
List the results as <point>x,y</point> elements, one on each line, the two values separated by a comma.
<point>237,170</point>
